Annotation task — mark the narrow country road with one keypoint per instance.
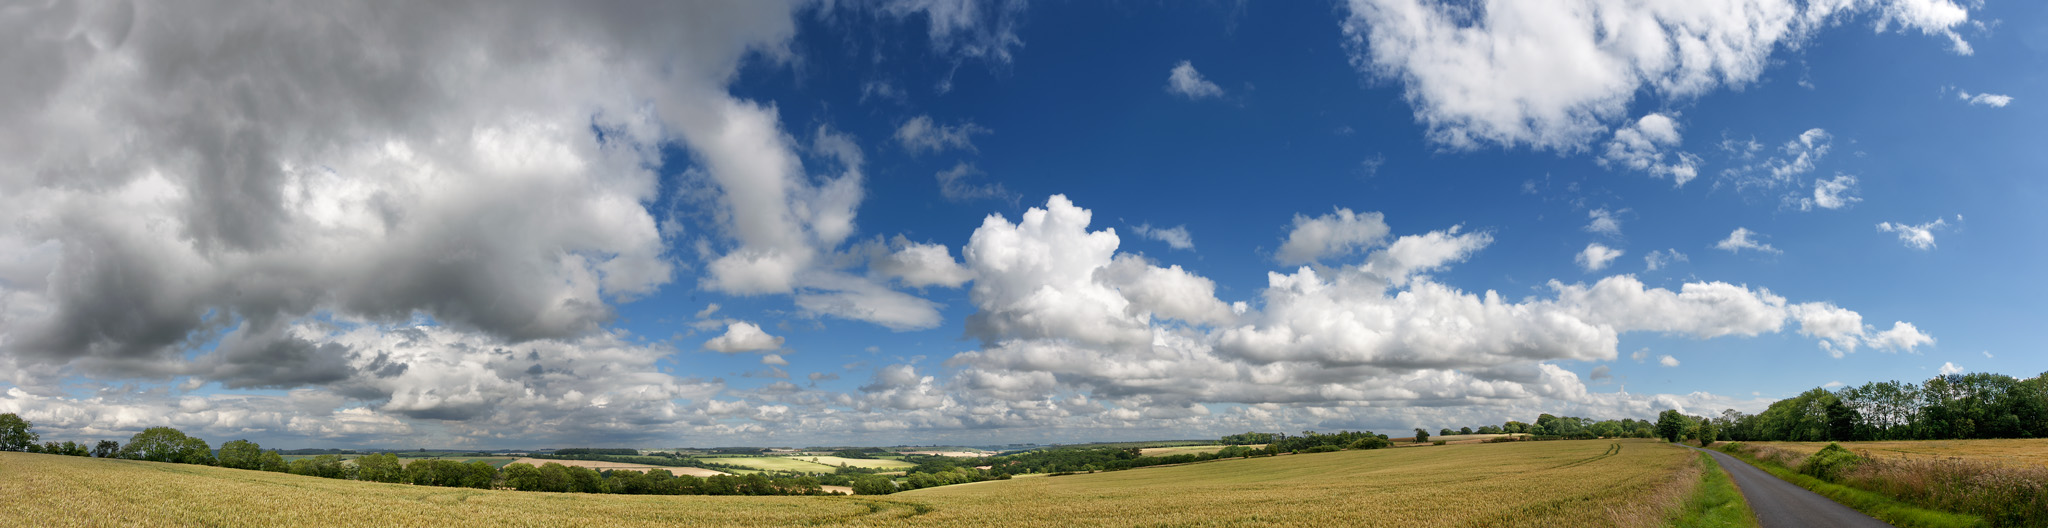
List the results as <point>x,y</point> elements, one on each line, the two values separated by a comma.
<point>1780,504</point>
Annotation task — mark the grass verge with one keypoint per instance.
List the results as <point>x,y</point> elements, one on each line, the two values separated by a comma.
<point>1884,508</point>
<point>1715,502</point>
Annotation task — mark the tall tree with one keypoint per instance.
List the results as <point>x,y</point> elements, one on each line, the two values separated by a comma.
<point>1671,425</point>
<point>1422,435</point>
<point>1841,421</point>
<point>155,444</point>
<point>381,467</point>
<point>16,434</point>
<point>106,449</point>
<point>241,454</point>
<point>274,462</point>
<point>195,451</point>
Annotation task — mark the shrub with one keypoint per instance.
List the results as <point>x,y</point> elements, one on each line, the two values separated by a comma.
<point>1438,442</point>
<point>1321,449</point>
<point>1371,442</point>
<point>1829,463</point>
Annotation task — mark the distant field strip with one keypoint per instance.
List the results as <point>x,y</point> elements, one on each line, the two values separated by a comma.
<point>2012,451</point>
<point>856,462</point>
<point>602,465</point>
<point>1565,483</point>
<point>1179,450</point>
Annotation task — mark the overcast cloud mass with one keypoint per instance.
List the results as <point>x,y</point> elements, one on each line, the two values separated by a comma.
<point>537,224</point>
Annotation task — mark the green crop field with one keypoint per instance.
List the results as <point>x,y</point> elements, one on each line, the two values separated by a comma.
<point>1566,483</point>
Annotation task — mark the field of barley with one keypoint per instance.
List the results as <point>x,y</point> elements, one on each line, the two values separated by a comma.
<point>2031,452</point>
<point>1575,483</point>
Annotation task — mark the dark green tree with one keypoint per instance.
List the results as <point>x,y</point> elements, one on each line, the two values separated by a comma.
<point>155,444</point>
<point>874,485</point>
<point>1422,435</point>
<point>1671,425</point>
<point>195,451</point>
<point>16,434</point>
<point>241,454</point>
<point>106,449</point>
<point>1841,420</point>
<point>381,467</point>
<point>274,462</point>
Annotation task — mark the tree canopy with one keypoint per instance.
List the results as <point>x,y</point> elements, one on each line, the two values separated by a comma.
<point>16,434</point>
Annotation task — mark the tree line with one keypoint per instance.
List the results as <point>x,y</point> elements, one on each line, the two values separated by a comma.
<point>1945,407</point>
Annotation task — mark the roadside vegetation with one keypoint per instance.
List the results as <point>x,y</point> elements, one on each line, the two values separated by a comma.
<point>1913,491</point>
<point>1716,502</point>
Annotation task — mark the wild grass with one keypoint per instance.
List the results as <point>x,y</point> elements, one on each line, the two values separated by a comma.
<point>1851,491</point>
<point>2004,451</point>
<point>1576,483</point>
<point>1716,502</point>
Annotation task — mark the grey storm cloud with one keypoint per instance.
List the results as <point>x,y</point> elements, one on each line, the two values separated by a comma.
<point>228,167</point>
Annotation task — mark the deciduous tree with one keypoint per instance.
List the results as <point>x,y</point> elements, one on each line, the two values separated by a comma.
<point>241,454</point>
<point>16,434</point>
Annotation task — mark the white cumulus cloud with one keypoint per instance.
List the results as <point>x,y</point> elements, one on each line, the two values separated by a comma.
<point>1742,238</point>
<point>1921,236</point>
<point>1338,233</point>
<point>1644,145</point>
<point>1555,73</point>
<point>922,135</point>
<point>1596,257</point>
<point>743,336</point>
<point>1187,82</point>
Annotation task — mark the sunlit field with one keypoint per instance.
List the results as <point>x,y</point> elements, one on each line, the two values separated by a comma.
<point>2009,451</point>
<point>1575,483</point>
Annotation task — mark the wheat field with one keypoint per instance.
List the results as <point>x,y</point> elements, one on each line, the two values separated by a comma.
<point>1576,483</point>
<point>2031,452</point>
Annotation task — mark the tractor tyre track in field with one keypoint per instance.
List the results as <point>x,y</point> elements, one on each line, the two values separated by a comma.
<point>1612,449</point>
<point>1780,504</point>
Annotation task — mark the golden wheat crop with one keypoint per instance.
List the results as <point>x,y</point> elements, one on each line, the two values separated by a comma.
<point>1179,450</point>
<point>2008,451</point>
<point>1567,483</point>
<point>50,490</point>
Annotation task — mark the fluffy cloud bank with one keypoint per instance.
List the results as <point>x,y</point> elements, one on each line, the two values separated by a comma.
<point>1370,333</point>
<point>1554,74</point>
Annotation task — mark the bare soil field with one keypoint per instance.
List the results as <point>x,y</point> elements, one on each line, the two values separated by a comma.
<point>602,465</point>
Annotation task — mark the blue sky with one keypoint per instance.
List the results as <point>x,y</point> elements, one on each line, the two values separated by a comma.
<point>445,237</point>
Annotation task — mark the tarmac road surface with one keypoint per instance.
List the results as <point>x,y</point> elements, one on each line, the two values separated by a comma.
<point>1780,504</point>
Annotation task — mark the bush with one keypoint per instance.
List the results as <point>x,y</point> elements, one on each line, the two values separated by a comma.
<point>1829,463</point>
<point>1371,442</point>
<point>1438,442</point>
<point>1321,449</point>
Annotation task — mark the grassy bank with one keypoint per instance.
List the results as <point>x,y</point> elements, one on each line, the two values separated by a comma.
<point>1716,502</point>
